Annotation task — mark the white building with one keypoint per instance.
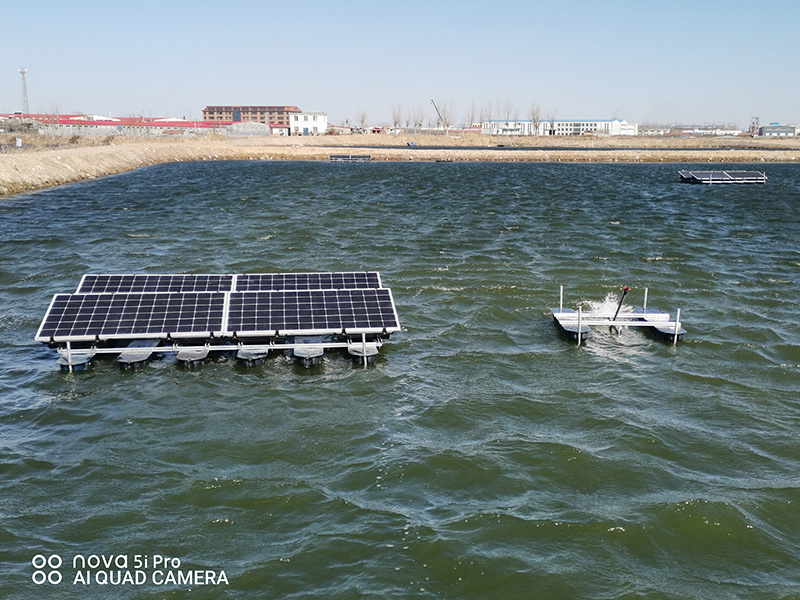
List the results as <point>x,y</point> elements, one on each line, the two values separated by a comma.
<point>500,127</point>
<point>308,123</point>
<point>560,127</point>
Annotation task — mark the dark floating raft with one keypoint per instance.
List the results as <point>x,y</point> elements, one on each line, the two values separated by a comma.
<point>350,158</point>
<point>709,177</point>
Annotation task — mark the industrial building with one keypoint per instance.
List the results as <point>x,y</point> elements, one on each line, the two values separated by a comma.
<point>560,127</point>
<point>778,130</point>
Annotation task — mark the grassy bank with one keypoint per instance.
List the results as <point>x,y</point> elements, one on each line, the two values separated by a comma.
<point>45,162</point>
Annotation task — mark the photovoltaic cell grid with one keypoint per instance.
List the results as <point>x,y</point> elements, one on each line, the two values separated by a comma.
<point>313,311</point>
<point>121,283</point>
<point>114,284</point>
<point>307,281</point>
<point>160,306</point>
<point>144,315</point>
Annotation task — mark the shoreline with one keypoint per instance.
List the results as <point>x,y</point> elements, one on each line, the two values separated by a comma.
<point>32,168</point>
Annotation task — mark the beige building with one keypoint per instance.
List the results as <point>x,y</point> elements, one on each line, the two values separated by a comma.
<point>278,115</point>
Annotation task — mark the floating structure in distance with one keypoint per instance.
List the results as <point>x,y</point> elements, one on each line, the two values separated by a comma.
<point>575,325</point>
<point>709,177</point>
<point>350,158</point>
<point>136,315</point>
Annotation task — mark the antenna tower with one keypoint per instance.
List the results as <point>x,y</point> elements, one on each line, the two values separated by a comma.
<point>22,74</point>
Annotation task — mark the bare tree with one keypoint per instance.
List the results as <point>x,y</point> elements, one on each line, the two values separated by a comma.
<point>535,115</point>
<point>418,116</point>
<point>397,116</point>
<point>508,110</point>
<point>361,117</point>
<point>472,111</point>
<point>486,113</point>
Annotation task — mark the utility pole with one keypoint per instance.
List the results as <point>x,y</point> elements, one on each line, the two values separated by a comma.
<point>22,74</point>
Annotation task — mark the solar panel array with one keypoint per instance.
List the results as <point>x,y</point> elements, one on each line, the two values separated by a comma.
<point>119,283</point>
<point>138,315</point>
<point>307,281</point>
<point>101,284</point>
<point>195,306</point>
<point>320,311</point>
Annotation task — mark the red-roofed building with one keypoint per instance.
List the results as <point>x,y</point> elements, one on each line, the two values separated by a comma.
<point>88,125</point>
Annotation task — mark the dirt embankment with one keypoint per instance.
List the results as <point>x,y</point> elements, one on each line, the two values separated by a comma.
<point>46,162</point>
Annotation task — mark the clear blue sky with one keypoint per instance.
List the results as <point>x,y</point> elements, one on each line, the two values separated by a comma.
<point>641,60</point>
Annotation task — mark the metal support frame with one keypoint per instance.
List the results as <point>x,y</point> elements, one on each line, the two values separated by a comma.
<point>67,351</point>
<point>643,319</point>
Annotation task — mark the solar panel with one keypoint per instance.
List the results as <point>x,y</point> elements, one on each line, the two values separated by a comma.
<point>133,307</point>
<point>307,281</point>
<point>121,283</point>
<point>312,312</point>
<point>113,283</point>
<point>75,317</point>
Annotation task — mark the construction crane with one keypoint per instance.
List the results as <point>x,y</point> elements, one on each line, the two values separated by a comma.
<point>25,109</point>
<point>444,123</point>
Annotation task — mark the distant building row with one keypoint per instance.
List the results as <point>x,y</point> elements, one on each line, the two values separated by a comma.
<point>560,127</point>
<point>290,120</point>
<point>292,123</point>
<point>291,117</point>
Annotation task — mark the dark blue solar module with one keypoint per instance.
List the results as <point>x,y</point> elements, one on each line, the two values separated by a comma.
<point>122,283</point>
<point>312,312</point>
<point>118,283</point>
<point>130,307</point>
<point>74,317</point>
<point>307,281</point>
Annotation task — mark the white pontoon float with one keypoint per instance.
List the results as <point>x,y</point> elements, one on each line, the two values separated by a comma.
<point>575,325</point>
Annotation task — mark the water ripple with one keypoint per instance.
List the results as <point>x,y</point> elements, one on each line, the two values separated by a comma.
<point>483,455</point>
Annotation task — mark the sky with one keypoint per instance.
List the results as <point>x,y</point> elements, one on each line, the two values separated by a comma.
<point>690,62</point>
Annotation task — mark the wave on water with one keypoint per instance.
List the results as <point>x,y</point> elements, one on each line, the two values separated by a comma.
<point>483,455</point>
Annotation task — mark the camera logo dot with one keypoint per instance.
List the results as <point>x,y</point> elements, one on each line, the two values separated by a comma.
<point>46,569</point>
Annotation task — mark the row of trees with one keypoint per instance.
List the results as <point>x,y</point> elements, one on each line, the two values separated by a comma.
<point>443,114</point>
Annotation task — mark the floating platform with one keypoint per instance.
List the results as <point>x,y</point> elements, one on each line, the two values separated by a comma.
<point>363,353</point>
<point>251,358</point>
<point>350,158</point>
<point>714,177</point>
<point>137,316</point>
<point>76,360</point>
<point>575,325</point>
<point>568,323</point>
<point>308,351</point>
<point>190,357</point>
<point>137,353</point>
